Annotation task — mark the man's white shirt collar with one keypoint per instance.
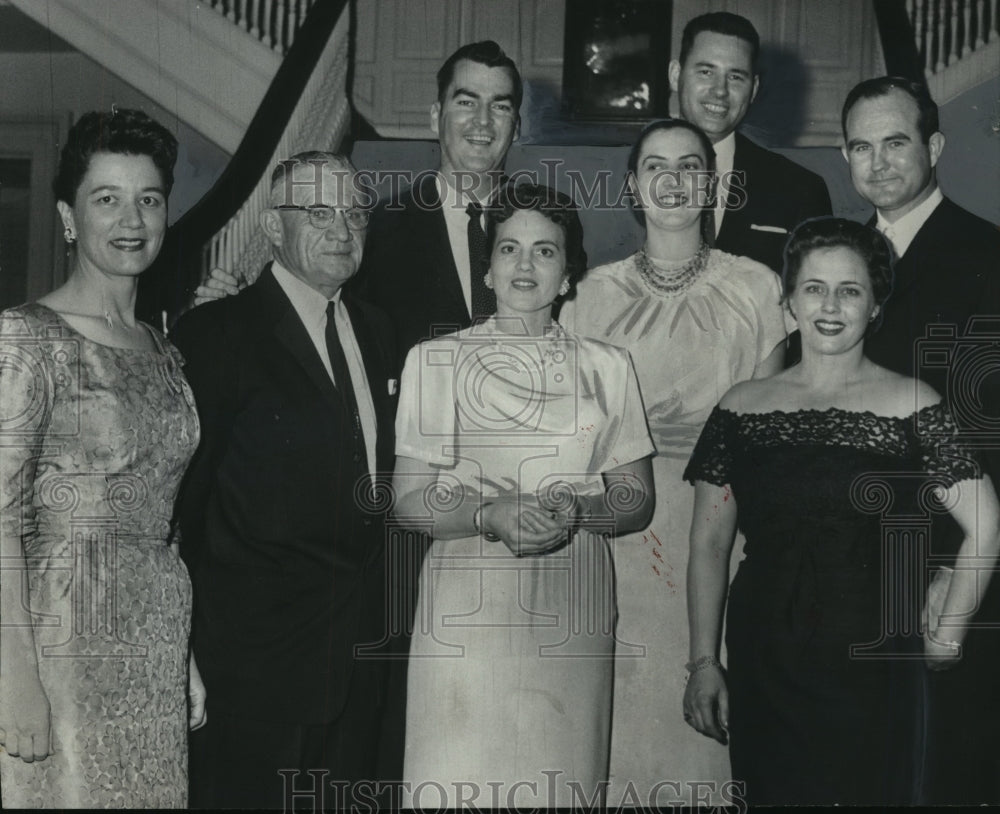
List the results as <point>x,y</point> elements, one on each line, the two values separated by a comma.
<point>902,231</point>
<point>309,303</point>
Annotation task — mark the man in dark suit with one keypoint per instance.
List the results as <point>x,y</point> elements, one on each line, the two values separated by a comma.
<point>762,195</point>
<point>293,381</point>
<point>424,264</point>
<point>945,274</point>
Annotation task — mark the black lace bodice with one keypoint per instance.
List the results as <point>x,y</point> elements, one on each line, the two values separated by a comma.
<point>820,492</point>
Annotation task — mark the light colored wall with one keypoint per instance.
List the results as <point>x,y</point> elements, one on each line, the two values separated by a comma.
<point>969,169</point>
<point>60,87</point>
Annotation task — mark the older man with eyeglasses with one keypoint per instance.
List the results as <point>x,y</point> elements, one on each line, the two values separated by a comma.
<point>292,382</point>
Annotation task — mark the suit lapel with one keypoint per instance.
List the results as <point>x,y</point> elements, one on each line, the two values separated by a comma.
<point>907,268</point>
<point>735,218</point>
<point>445,281</point>
<point>376,370</point>
<point>292,336</point>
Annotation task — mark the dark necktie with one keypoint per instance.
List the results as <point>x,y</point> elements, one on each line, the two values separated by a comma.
<point>484,301</point>
<point>344,385</point>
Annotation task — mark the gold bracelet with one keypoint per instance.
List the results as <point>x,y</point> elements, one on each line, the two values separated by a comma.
<point>477,517</point>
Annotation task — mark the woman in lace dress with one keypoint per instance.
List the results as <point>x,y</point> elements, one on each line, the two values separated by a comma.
<point>696,321</point>
<point>98,427</point>
<point>833,470</point>
<point>521,447</point>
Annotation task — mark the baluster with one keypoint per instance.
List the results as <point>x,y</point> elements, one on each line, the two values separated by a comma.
<point>280,36</point>
<point>238,236</point>
<point>953,46</point>
<point>237,11</point>
<point>919,30</point>
<point>978,21</point>
<point>266,28</point>
<point>993,20</point>
<point>967,31</point>
<point>942,42</point>
<point>251,22</point>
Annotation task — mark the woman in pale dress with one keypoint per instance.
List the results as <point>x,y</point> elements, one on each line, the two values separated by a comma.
<point>521,449</point>
<point>696,321</point>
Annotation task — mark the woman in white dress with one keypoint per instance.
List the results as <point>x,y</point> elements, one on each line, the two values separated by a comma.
<point>696,321</point>
<point>521,448</point>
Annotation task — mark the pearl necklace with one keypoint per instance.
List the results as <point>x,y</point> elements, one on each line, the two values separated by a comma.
<point>673,281</point>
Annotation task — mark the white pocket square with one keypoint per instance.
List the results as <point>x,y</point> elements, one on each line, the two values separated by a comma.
<point>757,227</point>
<point>393,385</point>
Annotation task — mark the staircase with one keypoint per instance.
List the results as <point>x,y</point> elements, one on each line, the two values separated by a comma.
<point>957,43</point>
<point>209,62</point>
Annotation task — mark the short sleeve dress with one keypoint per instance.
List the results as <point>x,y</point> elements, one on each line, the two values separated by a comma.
<point>95,441</point>
<point>825,657</point>
<point>510,664</point>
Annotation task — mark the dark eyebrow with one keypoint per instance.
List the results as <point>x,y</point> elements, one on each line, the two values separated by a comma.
<point>114,188</point>
<point>706,64</point>
<point>656,157</point>
<point>503,97</point>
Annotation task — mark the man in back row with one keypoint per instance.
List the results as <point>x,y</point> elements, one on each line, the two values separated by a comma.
<point>945,275</point>
<point>762,195</point>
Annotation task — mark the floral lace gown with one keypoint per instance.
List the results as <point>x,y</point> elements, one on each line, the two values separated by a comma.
<point>825,668</point>
<point>510,664</point>
<point>95,442</point>
<point>688,350</point>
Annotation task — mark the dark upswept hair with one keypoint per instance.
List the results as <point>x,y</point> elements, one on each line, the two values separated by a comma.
<point>830,233</point>
<point>927,110</point>
<point>721,22</point>
<point>666,125</point>
<point>122,131</point>
<point>488,53</point>
<point>554,205</point>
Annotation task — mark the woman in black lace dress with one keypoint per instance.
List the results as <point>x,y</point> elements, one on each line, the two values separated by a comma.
<point>833,470</point>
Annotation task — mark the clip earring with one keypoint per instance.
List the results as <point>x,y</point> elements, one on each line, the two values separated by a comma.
<point>487,280</point>
<point>68,235</point>
<point>564,288</point>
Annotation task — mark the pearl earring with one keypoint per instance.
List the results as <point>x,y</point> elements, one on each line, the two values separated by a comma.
<point>487,280</point>
<point>564,288</point>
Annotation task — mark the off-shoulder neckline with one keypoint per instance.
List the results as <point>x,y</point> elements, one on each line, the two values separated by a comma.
<point>159,350</point>
<point>812,411</point>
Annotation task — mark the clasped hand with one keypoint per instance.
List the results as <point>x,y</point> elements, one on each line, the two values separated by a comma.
<point>528,528</point>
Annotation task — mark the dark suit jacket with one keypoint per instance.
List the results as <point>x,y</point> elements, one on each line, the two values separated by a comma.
<point>287,563</point>
<point>948,274</point>
<point>778,193</point>
<point>409,270</point>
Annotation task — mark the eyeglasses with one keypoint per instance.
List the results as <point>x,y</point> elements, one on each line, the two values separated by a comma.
<point>322,217</point>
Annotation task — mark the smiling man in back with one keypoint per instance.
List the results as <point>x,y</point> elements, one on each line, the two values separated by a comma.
<point>762,195</point>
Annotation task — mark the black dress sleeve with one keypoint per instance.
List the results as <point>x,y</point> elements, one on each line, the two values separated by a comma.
<point>712,457</point>
<point>943,455</point>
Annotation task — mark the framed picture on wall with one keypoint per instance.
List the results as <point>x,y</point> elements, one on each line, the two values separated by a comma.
<point>615,60</point>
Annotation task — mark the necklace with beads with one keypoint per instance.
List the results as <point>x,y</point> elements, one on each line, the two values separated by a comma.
<point>672,281</point>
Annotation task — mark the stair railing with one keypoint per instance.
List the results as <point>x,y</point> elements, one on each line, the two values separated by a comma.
<point>305,108</point>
